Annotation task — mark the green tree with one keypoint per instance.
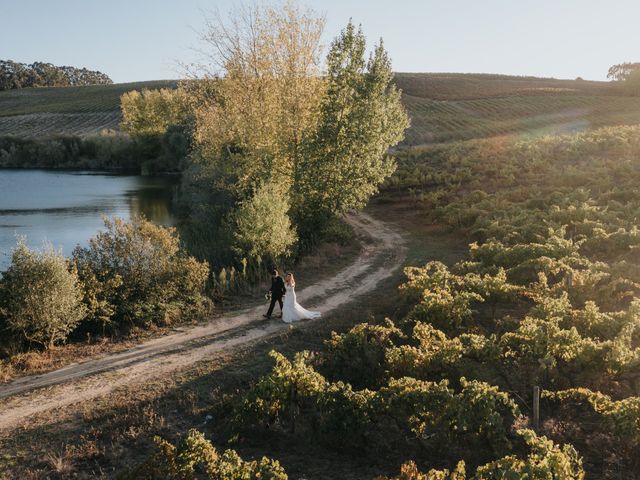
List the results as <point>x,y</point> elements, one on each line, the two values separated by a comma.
<point>40,298</point>
<point>262,225</point>
<point>361,117</point>
<point>621,71</point>
<point>255,104</point>
<point>151,112</point>
<point>266,99</point>
<point>632,83</point>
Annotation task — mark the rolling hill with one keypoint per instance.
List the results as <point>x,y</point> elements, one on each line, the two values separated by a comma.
<point>443,107</point>
<point>82,111</point>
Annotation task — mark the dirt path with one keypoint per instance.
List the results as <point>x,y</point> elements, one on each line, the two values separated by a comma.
<point>34,395</point>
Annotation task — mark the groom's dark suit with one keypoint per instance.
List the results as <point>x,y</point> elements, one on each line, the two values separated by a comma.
<point>277,292</point>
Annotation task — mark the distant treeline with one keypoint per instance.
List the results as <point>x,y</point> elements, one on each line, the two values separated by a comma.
<point>39,74</point>
<point>147,154</point>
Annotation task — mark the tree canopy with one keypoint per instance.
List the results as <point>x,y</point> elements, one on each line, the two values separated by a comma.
<point>269,111</point>
<point>621,71</point>
<point>40,74</point>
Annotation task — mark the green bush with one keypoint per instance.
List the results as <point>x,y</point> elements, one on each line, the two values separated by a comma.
<point>40,297</point>
<point>137,274</point>
<point>195,457</point>
<point>545,461</point>
<point>404,413</point>
<point>358,356</point>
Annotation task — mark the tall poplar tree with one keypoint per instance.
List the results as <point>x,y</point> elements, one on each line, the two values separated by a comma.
<point>361,116</point>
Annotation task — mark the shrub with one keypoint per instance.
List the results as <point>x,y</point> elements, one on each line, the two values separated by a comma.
<point>136,273</point>
<point>409,471</point>
<point>279,396</point>
<point>196,457</point>
<point>151,112</point>
<point>358,356</point>
<point>546,460</point>
<point>405,413</point>
<point>40,298</point>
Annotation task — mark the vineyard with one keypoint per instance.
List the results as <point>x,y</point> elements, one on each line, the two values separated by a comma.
<point>550,285</point>
<point>548,296</point>
<point>81,111</point>
<point>469,86</point>
<point>450,107</point>
<point>443,107</point>
<point>531,115</point>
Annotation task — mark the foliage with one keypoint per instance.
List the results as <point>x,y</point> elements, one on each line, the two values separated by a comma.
<point>622,71</point>
<point>262,228</point>
<point>421,414</point>
<point>545,460</point>
<point>266,102</point>
<point>148,154</point>
<point>151,112</point>
<point>137,273</point>
<point>409,471</point>
<point>39,74</point>
<point>621,418</point>
<point>266,118</point>
<point>556,254</point>
<point>254,105</point>
<point>358,356</point>
<point>279,396</point>
<point>361,116</point>
<point>195,457</point>
<point>40,296</point>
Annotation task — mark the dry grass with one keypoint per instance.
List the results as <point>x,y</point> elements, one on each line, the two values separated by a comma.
<point>38,362</point>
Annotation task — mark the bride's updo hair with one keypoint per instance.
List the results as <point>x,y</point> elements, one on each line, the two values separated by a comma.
<point>292,280</point>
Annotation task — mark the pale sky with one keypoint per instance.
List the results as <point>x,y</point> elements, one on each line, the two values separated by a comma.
<point>133,40</point>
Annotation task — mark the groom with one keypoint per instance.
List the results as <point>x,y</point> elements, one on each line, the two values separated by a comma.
<point>277,292</point>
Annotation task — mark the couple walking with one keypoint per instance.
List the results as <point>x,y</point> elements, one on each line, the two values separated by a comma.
<point>291,310</point>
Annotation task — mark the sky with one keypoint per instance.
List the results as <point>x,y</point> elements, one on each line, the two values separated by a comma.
<point>135,40</point>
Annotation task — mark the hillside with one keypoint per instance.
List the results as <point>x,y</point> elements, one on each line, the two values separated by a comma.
<point>447,107</point>
<point>37,112</point>
<point>443,107</point>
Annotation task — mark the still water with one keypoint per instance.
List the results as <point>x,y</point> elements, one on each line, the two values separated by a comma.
<point>66,208</point>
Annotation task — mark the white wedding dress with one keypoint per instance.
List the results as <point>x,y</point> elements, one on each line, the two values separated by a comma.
<point>292,311</point>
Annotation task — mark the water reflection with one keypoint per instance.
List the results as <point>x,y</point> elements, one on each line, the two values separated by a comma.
<point>66,208</point>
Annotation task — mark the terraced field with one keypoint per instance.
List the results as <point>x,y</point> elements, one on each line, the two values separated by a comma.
<point>450,120</point>
<point>452,106</point>
<point>469,86</point>
<point>82,111</point>
<point>51,124</point>
<point>443,107</point>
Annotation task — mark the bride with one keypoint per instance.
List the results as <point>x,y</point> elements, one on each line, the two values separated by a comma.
<point>292,311</point>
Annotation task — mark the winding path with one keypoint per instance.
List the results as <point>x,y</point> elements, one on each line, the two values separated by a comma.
<point>34,395</point>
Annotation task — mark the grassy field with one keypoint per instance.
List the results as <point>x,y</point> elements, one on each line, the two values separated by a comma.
<point>443,107</point>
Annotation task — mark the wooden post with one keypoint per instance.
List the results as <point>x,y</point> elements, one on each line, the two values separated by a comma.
<point>536,407</point>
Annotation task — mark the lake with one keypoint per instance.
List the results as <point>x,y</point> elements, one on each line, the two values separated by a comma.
<point>66,208</point>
